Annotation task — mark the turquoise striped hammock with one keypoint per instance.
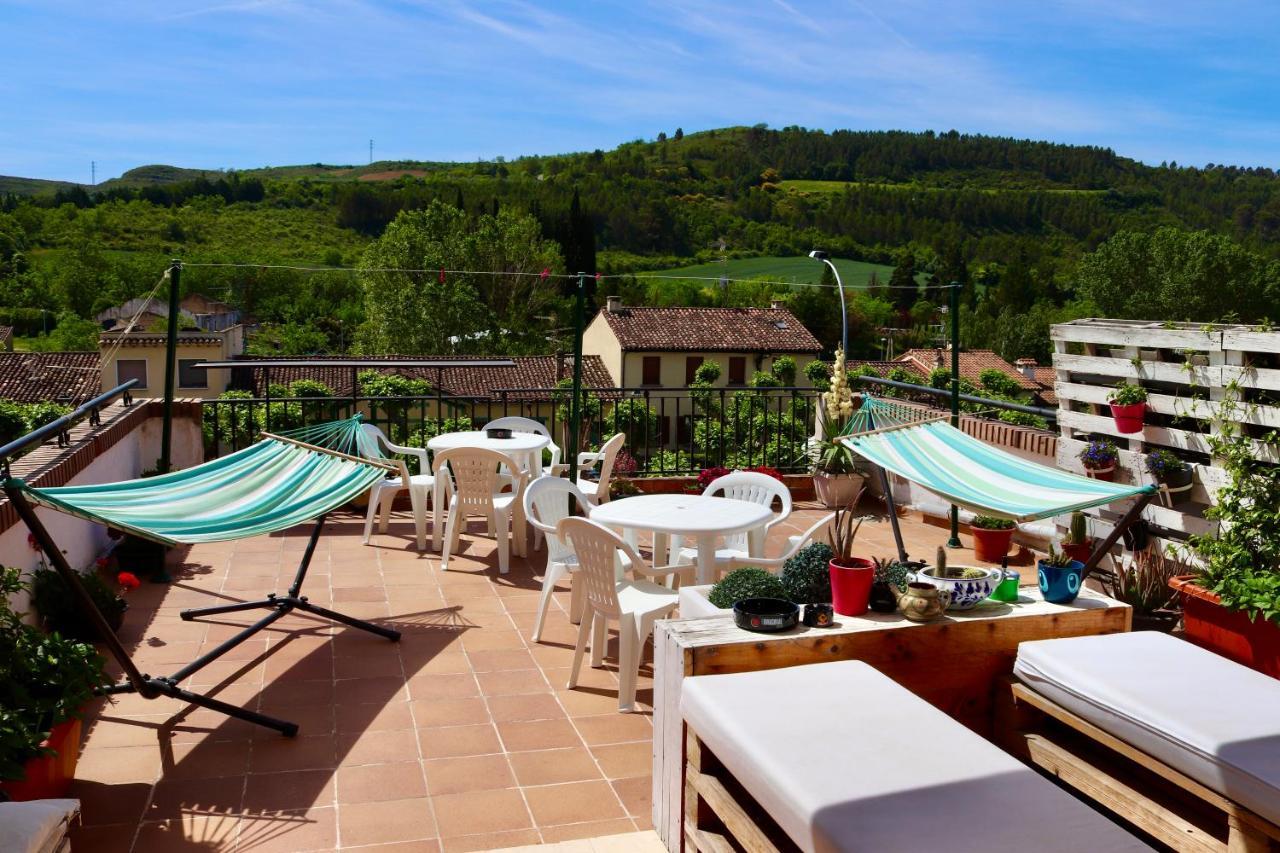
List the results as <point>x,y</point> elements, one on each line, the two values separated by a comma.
<point>975,475</point>
<point>281,481</point>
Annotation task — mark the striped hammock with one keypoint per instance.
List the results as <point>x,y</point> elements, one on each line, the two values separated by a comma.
<point>280,481</point>
<point>979,477</point>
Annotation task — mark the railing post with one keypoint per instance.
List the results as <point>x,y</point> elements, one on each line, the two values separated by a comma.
<point>575,408</point>
<point>954,303</point>
<point>170,366</point>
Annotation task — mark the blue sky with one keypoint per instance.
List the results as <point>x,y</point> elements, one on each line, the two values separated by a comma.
<point>244,83</point>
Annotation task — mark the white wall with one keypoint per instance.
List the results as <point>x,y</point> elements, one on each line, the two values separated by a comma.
<point>82,541</point>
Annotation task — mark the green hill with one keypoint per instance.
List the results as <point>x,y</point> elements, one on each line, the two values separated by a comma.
<point>802,270</point>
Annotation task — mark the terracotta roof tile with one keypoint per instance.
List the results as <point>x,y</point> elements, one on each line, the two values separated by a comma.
<point>529,372</point>
<point>710,330</point>
<point>972,363</point>
<point>1047,376</point>
<point>37,377</point>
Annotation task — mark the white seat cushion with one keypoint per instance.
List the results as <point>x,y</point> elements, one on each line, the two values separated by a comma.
<point>1213,719</point>
<point>38,826</point>
<point>844,758</point>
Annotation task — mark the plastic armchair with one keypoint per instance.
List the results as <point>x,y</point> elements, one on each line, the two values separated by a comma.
<point>750,486</point>
<point>471,475</point>
<point>515,423</point>
<point>818,531</point>
<point>635,603</point>
<point>421,486</point>
<point>597,491</point>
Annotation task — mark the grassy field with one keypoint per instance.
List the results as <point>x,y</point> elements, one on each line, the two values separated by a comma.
<point>802,270</point>
<point>828,187</point>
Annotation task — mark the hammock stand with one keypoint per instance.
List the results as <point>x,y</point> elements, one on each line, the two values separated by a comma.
<point>149,686</point>
<point>931,453</point>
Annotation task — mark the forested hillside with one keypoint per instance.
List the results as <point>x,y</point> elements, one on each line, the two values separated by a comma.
<point>1019,223</point>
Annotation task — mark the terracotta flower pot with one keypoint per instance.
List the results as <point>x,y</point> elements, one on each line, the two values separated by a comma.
<point>836,490</point>
<point>1128,418</point>
<point>49,776</point>
<point>991,546</point>
<point>1078,551</point>
<point>1107,474</point>
<point>1232,634</point>
<point>851,585</point>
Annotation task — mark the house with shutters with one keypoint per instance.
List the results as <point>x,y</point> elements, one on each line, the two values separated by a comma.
<point>661,348</point>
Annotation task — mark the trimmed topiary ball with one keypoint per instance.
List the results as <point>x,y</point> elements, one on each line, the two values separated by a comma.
<point>746,583</point>
<point>806,577</point>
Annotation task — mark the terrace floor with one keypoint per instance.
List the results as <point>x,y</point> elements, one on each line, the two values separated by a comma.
<point>461,736</point>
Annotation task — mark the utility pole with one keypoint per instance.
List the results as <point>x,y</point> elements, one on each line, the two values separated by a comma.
<point>170,366</point>
<point>954,303</point>
<point>371,152</point>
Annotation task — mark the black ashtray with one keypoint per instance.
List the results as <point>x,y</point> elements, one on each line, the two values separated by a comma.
<point>498,432</point>
<point>765,615</point>
<point>819,615</point>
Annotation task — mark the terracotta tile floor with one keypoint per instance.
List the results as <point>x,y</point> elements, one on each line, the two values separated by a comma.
<point>461,736</point>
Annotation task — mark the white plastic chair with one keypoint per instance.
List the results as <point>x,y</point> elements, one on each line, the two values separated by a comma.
<point>421,486</point>
<point>636,604</point>
<point>794,544</point>
<point>471,475</point>
<point>515,423</point>
<point>597,491</point>
<point>751,486</point>
<point>546,503</point>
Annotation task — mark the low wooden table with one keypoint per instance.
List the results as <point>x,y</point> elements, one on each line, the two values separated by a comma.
<point>953,663</point>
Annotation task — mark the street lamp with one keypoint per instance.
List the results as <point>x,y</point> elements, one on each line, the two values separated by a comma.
<point>823,257</point>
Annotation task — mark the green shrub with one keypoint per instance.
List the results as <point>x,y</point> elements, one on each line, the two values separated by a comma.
<point>991,522</point>
<point>1126,394</point>
<point>746,583</point>
<point>806,577</point>
<point>54,602</point>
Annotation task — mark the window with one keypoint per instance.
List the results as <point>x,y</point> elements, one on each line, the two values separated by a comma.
<point>652,374</point>
<point>190,376</point>
<point>737,370</point>
<point>132,368</point>
<point>691,365</point>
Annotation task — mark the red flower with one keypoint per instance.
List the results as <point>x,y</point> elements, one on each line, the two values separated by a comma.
<point>710,475</point>
<point>765,469</point>
<point>128,580</point>
<point>33,543</point>
<point>546,271</point>
<point>101,563</point>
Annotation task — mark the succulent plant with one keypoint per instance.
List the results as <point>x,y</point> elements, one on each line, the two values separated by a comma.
<point>1078,533</point>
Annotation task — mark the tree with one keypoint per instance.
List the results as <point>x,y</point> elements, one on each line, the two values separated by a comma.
<point>905,289</point>
<point>72,334</point>
<point>414,306</point>
<point>679,134</point>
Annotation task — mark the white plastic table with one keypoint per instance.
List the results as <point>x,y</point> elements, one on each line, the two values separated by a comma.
<point>524,448</point>
<point>701,518</point>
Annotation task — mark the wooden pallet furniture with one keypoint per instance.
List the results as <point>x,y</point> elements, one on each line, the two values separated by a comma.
<point>837,756</point>
<point>1096,757</point>
<point>1188,370</point>
<point>953,663</point>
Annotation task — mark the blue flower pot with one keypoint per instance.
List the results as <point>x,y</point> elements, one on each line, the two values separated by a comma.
<point>1060,585</point>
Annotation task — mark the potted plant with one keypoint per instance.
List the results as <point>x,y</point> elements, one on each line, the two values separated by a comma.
<point>1143,584</point>
<point>965,586</point>
<point>1169,471</point>
<point>891,578</point>
<point>1077,544</point>
<point>835,477</point>
<point>991,537</point>
<point>742,584</point>
<point>850,576</point>
<point>58,609</point>
<point>45,682</point>
<point>1099,459</point>
<point>806,576</point>
<point>1060,576</point>
<point>1128,403</point>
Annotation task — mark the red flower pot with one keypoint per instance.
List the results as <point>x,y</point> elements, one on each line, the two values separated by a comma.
<point>49,776</point>
<point>1107,474</point>
<point>851,585</point>
<point>1232,634</point>
<point>1128,418</point>
<point>1080,551</point>
<point>991,546</point>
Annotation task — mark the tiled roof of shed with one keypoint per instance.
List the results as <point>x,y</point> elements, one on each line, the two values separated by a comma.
<point>972,363</point>
<point>37,377</point>
<point>710,330</point>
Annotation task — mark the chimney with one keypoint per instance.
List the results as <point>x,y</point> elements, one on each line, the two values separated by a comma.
<point>777,304</point>
<point>561,355</point>
<point>1027,367</point>
<point>613,304</point>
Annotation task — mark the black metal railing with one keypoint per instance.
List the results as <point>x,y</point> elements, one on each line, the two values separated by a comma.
<point>61,427</point>
<point>670,432</point>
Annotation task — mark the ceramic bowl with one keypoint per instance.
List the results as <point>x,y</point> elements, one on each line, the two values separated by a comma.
<point>966,593</point>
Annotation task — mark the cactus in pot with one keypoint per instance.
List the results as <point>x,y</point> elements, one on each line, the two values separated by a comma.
<point>1077,543</point>
<point>968,586</point>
